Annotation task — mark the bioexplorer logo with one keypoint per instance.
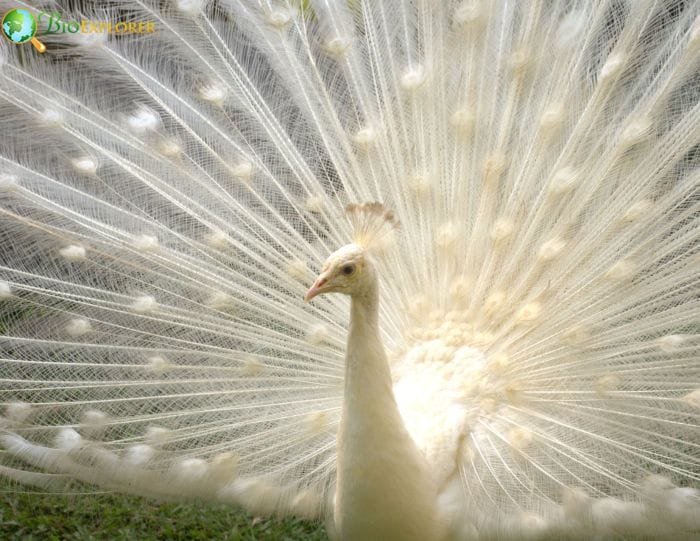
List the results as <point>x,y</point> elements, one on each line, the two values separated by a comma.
<point>20,26</point>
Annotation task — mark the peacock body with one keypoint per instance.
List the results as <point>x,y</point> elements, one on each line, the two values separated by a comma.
<point>518,359</point>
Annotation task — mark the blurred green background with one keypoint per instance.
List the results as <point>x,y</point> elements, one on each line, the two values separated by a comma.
<point>122,518</point>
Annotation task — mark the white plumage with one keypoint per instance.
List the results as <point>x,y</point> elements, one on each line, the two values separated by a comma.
<point>167,199</point>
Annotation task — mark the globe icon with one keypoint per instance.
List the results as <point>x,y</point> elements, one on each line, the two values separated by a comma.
<point>18,25</point>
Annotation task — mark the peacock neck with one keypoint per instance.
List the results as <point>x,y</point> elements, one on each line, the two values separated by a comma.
<point>384,488</point>
<point>364,311</point>
<point>367,373</point>
<point>368,383</point>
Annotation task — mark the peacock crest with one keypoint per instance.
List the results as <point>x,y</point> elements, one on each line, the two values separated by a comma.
<point>371,223</point>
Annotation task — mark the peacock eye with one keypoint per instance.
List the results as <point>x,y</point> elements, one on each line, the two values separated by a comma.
<point>348,270</point>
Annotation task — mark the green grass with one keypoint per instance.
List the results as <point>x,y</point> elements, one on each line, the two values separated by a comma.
<point>121,518</point>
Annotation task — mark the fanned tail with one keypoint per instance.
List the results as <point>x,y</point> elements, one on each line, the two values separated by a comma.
<point>166,198</point>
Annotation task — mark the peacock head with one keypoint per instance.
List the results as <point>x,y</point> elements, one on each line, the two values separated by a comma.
<point>350,270</point>
<point>346,270</point>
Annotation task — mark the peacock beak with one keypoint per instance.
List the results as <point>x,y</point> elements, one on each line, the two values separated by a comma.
<point>317,288</point>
